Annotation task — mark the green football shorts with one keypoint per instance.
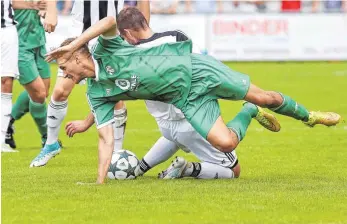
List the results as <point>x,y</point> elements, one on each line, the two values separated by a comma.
<point>102,109</point>
<point>211,80</point>
<point>31,64</point>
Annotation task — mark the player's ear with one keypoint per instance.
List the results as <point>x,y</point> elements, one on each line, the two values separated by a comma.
<point>127,34</point>
<point>77,59</point>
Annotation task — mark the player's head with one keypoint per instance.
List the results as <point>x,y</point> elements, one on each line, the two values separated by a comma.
<point>79,65</point>
<point>132,25</point>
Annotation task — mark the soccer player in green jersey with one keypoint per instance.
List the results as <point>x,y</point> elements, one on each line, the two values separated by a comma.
<point>168,73</point>
<point>34,70</point>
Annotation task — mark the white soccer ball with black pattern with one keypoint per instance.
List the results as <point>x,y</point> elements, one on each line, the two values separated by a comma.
<point>123,165</point>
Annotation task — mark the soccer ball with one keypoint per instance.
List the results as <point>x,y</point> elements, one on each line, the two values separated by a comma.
<point>123,165</point>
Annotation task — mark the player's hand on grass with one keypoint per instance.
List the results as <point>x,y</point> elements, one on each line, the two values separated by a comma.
<point>63,53</point>
<point>74,127</point>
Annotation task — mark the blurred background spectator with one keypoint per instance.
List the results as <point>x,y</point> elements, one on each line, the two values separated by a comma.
<point>64,6</point>
<point>231,6</point>
<point>207,6</point>
<point>164,7</point>
<point>130,3</point>
<point>330,5</point>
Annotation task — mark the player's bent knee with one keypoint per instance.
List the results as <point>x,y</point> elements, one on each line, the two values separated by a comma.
<point>38,96</point>
<point>60,94</point>
<point>227,145</point>
<point>107,141</point>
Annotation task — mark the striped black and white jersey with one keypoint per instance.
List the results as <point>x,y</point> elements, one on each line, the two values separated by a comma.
<point>90,12</point>
<point>7,14</point>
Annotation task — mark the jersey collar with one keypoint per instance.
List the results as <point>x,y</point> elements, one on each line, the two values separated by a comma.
<point>96,66</point>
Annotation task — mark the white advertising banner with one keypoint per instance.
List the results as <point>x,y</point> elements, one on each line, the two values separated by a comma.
<point>252,37</point>
<point>263,37</point>
<point>192,25</point>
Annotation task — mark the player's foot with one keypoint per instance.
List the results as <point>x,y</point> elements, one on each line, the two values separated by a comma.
<point>6,148</point>
<point>47,153</point>
<point>9,135</point>
<point>267,120</point>
<point>175,169</point>
<point>325,118</point>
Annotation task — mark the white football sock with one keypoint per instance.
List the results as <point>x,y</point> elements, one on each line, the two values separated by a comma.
<point>120,117</point>
<point>207,171</point>
<point>55,115</point>
<point>6,108</point>
<point>161,151</point>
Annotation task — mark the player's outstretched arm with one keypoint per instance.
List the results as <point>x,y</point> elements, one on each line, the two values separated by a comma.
<point>106,142</point>
<point>106,27</point>
<point>35,5</point>
<point>144,7</point>
<point>79,126</point>
<point>51,17</point>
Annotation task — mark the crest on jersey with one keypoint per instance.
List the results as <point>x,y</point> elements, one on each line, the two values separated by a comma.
<point>109,70</point>
<point>123,84</point>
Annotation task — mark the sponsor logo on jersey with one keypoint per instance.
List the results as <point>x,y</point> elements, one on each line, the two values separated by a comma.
<point>109,70</point>
<point>108,91</point>
<point>128,84</point>
<point>134,82</point>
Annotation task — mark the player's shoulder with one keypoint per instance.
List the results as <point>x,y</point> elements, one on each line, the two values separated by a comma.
<point>105,45</point>
<point>180,35</point>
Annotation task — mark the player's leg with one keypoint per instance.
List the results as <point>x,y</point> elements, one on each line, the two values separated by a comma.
<point>57,108</point>
<point>9,71</point>
<point>33,84</point>
<point>161,151</point>
<point>52,146</point>
<point>180,168</point>
<point>285,105</point>
<point>207,121</point>
<point>45,73</point>
<point>20,108</point>
<point>222,82</point>
<point>6,106</point>
<point>120,115</point>
<point>215,164</point>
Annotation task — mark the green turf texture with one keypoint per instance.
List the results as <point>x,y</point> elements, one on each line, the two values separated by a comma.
<point>295,176</point>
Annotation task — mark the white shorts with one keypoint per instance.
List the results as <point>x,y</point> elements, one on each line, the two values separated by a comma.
<point>9,52</point>
<point>184,135</point>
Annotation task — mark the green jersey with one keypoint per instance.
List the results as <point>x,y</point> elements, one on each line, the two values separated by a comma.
<point>167,73</point>
<point>125,72</point>
<point>30,30</point>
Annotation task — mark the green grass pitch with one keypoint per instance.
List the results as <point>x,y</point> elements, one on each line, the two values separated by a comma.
<point>295,176</point>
